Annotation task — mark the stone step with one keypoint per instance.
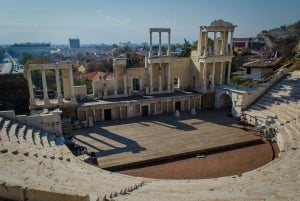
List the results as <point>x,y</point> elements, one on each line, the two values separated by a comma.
<point>2,120</point>
<point>44,139</point>
<point>29,138</point>
<point>21,133</point>
<point>12,134</point>
<point>3,131</point>
<point>37,139</point>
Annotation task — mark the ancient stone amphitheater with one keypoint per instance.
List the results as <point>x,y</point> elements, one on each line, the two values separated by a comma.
<point>34,165</point>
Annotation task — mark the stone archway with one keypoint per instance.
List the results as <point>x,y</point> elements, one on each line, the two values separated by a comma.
<point>225,101</point>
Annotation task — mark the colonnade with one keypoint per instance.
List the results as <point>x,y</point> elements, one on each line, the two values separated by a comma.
<point>213,74</point>
<point>128,110</point>
<point>56,67</point>
<point>160,31</point>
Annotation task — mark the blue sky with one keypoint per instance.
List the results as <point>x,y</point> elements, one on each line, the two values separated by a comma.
<point>113,21</point>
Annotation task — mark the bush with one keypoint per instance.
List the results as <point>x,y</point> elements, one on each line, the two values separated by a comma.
<point>246,82</point>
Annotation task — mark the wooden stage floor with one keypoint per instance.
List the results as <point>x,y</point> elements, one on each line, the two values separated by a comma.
<point>131,142</point>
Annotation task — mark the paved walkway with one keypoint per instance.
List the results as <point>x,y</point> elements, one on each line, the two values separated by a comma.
<point>132,142</point>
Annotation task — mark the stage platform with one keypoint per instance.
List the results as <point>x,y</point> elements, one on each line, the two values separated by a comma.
<point>126,143</point>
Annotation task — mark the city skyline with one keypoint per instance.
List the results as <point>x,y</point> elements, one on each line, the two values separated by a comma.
<point>96,22</point>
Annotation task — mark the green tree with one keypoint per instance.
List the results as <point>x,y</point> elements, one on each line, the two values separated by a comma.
<point>186,49</point>
<point>24,57</point>
<point>2,53</point>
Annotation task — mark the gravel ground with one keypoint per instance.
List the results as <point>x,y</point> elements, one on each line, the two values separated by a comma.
<point>225,163</point>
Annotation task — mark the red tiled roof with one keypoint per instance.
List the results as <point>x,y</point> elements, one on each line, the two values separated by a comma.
<point>96,75</point>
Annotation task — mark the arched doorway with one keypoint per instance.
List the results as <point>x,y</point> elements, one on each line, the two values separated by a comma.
<point>225,102</point>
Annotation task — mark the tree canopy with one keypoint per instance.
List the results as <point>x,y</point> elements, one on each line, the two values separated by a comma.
<point>186,49</point>
<point>2,53</point>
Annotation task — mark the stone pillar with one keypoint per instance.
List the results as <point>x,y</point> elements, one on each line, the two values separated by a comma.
<point>169,43</point>
<point>150,79</point>
<point>231,42</point>
<point>131,83</point>
<point>159,81</point>
<point>115,80</point>
<point>86,115</point>
<point>221,73</point>
<point>125,84</point>
<point>150,46</point>
<point>159,45</point>
<point>141,84</point>
<point>72,85</point>
<point>223,43</point>
<point>213,75</point>
<point>228,72</point>
<point>169,77</point>
<point>30,87</point>
<point>94,115</point>
<point>204,77</point>
<point>104,87</point>
<point>45,89</point>
<point>215,43</point>
<point>102,114</point>
<point>205,43</point>
<point>58,88</point>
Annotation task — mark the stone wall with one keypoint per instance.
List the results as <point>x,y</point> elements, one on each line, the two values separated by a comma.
<point>49,122</point>
<point>18,193</point>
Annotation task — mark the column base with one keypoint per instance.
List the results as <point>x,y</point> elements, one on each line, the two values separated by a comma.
<point>32,102</point>
<point>47,102</point>
<point>151,90</point>
<point>60,100</point>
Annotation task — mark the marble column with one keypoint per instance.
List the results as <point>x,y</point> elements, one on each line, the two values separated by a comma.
<point>125,85</point>
<point>223,43</point>
<point>45,89</point>
<point>30,87</point>
<point>131,83</point>
<point>141,84</point>
<point>94,115</point>
<point>213,75</point>
<point>228,72</point>
<point>86,115</point>
<point>58,88</point>
<point>159,81</point>
<point>221,73</point>
<point>215,43</point>
<point>150,46</point>
<point>72,85</point>
<point>169,77</point>
<point>231,42</point>
<point>115,80</point>
<point>204,77</point>
<point>205,43</point>
<point>159,45</point>
<point>169,43</point>
<point>150,79</point>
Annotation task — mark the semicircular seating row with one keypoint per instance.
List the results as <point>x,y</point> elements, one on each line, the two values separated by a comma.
<point>36,165</point>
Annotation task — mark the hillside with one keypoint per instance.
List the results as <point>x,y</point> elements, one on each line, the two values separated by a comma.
<point>283,38</point>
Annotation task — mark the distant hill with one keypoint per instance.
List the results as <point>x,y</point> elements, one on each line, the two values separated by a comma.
<point>285,31</point>
<point>284,38</point>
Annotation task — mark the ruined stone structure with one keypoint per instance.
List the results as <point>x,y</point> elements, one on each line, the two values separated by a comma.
<point>62,71</point>
<point>212,61</point>
<point>36,165</point>
<point>164,85</point>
